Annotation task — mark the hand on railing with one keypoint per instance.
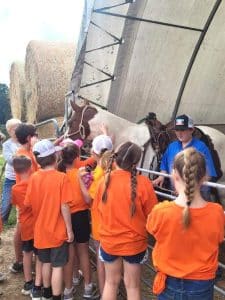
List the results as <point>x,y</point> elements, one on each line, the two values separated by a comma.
<point>158,181</point>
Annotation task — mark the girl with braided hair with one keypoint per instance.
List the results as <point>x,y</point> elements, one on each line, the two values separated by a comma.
<point>124,201</point>
<point>188,232</point>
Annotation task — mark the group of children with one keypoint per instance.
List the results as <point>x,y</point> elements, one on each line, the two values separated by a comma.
<point>56,192</point>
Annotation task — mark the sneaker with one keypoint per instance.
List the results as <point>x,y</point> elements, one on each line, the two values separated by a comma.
<point>27,288</point>
<point>36,294</point>
<point>16,267</point>
<point>69,296</point>
<point>77,280</point>
<point>91,293</point>
<point>47,293</point>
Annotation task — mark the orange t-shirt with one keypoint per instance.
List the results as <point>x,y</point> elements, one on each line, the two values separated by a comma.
<point>34,164</point>
<point>121,234</point>
<point>26,219</point>
<point>78,203</point>
<point>98,173</point>
<point>190,253</point>
<point>47,191</point>
<point>78,163</point>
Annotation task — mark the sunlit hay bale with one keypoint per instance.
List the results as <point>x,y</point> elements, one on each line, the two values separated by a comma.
<point>17,90</point>
<point>47,131</point>
<point>48,70</point>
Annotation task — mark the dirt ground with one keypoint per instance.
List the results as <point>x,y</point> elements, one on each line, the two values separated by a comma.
<point>11,288</point>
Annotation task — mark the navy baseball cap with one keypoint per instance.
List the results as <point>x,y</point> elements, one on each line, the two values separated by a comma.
<point>183,122</point>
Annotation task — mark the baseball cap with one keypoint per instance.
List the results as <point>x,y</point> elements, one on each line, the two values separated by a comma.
<point>45,148</point>
<point>79,143</point>
<point>101,142</point>
<point>183,122</point>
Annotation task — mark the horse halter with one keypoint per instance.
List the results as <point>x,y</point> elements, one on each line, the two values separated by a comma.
<point>81,128</point>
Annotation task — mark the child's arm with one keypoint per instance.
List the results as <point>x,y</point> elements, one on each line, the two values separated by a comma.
<point>83,188</point>
<point>65,210</point>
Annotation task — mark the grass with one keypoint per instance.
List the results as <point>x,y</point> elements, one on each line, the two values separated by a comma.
<point>12,217</point>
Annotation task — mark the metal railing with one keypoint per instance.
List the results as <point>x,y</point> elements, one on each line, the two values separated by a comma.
<point>55,125</point>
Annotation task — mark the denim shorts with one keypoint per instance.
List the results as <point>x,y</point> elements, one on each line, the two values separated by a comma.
<point>187,289</point>
<point>139,258</point>
<point>28,246</point>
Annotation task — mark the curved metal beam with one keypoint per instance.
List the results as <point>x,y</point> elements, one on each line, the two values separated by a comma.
<point>193,57</point>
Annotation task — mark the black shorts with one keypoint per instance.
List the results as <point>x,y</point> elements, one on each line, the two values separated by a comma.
<point>81,226</point>
<point>57,256</point>
<point>28,246</point>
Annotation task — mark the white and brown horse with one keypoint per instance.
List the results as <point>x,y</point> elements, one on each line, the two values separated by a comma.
<point>85,123</point>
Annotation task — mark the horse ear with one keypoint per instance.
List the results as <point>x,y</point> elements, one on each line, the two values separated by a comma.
<point>74,106</point>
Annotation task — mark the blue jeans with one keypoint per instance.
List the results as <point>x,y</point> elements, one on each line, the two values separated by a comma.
<point>186,289</point>
<point>6,199</point>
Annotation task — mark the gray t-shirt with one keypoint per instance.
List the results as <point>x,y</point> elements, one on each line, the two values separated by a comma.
<point>9,149</point>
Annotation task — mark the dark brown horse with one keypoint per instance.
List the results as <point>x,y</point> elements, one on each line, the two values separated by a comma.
<point>78,127</point>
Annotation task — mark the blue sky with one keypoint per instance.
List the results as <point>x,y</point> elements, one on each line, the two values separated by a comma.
<point>25,20</point>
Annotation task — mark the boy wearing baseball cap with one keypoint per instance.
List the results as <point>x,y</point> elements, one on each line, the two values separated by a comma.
<point>49,195</point>
<point>184,128</point>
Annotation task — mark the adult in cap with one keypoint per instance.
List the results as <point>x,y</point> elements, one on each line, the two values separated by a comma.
<point>184,128</point>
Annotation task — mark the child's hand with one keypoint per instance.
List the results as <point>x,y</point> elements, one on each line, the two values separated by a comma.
<point>70,236</point>
<point>82,171</point>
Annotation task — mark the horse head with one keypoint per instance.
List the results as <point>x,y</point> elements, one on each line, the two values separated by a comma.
<point>78,127</point>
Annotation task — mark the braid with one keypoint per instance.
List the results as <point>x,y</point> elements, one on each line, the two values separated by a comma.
<point>107,177</point>
<point>189,171</point>
<point>133,190</point>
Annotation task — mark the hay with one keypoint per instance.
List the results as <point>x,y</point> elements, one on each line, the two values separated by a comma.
<point>17,90</point>
<point>47,131</point>
<point>48,70</point>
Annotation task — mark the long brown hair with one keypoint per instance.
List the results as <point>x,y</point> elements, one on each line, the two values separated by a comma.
<point>68,154</point>
<point>127,157</point>
<point>191,167</point>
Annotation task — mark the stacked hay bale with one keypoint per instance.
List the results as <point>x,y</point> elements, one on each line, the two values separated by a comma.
<point>48,131</point>
<point>17,90</point>
<point>48,70</point>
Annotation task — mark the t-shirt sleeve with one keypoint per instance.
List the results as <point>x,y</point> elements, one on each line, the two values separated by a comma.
<point>7,152</point>
<point>28,197</point>
<point>149,199</point>
<point>153,221</point>
<point>209,161</point>
<point>66,193</point>
<point>164,162</point>
<point>222,223</point>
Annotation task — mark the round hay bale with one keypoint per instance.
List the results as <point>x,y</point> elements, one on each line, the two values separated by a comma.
<point>17,90</point>
<point>48,70</point>
<point>47,131</point>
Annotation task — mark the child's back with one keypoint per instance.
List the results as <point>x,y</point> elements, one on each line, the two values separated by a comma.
<point>190,247</point>
<point>47,191</point>
<point>120,233</point>
<point>25,216</point>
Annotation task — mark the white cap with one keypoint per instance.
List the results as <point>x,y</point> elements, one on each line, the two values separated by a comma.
<point>101,142</point>
<point>45,148</point>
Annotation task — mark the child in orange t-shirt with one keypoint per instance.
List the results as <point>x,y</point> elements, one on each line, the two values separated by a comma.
<point>79,209</point>
<point>188,232</point>
<point>125,200</point>
<point>22,166</point>
<point>49,194</point>
<point>101,147</point>
<point>26,137</point>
